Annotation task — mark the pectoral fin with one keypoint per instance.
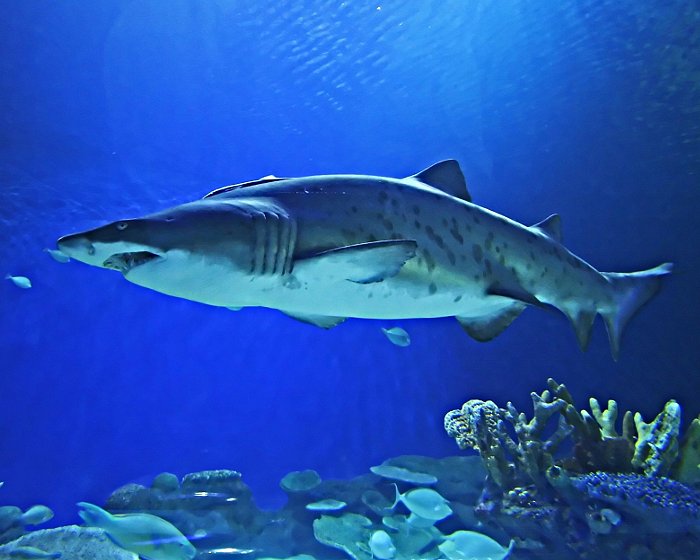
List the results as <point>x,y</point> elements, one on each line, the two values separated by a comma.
<point>363,263</point>
<point>323,321</point>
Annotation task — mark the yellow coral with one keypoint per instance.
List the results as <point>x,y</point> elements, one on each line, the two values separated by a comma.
<point>688,469</point>
<point>657,442</point>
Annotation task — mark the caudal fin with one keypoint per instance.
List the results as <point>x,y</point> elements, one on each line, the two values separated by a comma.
<point>631,291</point>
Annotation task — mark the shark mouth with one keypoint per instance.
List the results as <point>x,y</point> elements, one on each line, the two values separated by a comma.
<point>124,262</point>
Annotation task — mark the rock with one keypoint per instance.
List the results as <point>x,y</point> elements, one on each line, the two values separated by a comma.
<point>129,497</point>
<point>166,482</point>
<point>72,543</point>
<point>9,516</point>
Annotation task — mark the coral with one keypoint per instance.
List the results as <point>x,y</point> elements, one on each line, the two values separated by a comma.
<point>300,481</point>
<point>656,448</point>
<point>402,474</point>
<point>566,481</point>
<point>479,425</point>
<point>597,445</point>
<point>349,533</point>
<point>688,468</point>
<point>659,503</point>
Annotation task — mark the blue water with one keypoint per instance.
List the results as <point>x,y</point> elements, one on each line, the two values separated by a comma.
<point>114,109</point>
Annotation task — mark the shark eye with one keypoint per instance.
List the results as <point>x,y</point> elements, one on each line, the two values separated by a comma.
<point>122,226</point>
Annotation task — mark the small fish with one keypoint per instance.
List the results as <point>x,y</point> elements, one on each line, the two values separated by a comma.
<point>424,503</point>
<point>397,336</point>
<point>381,545</point>
<point>149,536</point>
<point>36,515</point>
<point>474,546</point>
<point>230,551</point>
<point>19,281</point>
<point>58,255</point>
<point>328,504</point>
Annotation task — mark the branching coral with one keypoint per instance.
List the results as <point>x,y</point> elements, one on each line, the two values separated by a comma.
<point>579,475</point>
<point>657,442</point>
<point>597,445</point>
<point>688,467</point>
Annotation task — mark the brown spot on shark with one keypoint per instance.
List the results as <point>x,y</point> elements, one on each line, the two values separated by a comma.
<point>477,252</point>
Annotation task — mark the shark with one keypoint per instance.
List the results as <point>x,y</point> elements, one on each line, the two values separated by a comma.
<point>325,248</point>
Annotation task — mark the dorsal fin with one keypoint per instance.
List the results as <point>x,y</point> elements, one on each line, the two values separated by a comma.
<point>550,226</point>
<point>447,176</point>
<point>262,181</point>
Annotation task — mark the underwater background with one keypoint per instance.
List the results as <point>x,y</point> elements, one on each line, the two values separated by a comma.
<point>115,109</point>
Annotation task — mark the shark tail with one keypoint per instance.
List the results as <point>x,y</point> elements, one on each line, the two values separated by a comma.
<point>630,292</point>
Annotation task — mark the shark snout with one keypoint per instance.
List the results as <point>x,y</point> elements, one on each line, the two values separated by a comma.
<point>76,246</point>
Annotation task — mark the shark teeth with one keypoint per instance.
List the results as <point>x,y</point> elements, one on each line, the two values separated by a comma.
<point>124,262</point>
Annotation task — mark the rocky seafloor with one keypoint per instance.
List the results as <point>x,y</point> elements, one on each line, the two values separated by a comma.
<point>565,483</point>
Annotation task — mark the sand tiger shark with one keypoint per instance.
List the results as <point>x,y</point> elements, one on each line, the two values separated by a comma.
<point>328,247</point>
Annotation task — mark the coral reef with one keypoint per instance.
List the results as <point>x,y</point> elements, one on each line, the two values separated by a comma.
<point>567,482</point>
<point>563,483</point>
<point>359,518</point>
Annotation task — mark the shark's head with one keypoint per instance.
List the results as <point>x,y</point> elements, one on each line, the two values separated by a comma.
<point>122,245</point>
<point>186,251</point>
